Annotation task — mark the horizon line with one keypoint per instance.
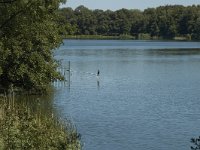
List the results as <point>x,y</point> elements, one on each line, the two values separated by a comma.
<point>64,6</point>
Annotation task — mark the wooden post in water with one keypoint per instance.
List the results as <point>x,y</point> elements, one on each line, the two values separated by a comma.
<point>65,71</point>
<point>69,74</point>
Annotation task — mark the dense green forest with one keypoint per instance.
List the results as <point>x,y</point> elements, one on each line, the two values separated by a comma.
<point>162,22</point>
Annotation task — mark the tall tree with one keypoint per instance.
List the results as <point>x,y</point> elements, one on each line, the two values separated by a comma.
<point>102,27</point>
<point>152,25</point>
<point>86,20</point>
<point>29,31</point>
<point>69,19</point>
<point>196,33</point>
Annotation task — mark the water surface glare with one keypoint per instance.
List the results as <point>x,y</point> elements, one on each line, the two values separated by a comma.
<point>147,96</point>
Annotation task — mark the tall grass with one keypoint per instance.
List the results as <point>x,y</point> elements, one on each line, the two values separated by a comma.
<point>22,128</point>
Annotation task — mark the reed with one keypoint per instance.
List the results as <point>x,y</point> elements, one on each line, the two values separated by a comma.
<point>22,128</point>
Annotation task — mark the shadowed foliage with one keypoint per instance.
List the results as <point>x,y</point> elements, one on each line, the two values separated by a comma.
<point>29,32</point>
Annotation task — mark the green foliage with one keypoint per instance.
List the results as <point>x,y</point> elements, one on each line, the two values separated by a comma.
<point>196,34</point>
<point>168,21</point>
<point>29,31</point>
<point>21,128</point>
<point>85,20</point>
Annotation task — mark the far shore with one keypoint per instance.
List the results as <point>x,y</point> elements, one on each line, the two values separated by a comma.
<point>126,37</point>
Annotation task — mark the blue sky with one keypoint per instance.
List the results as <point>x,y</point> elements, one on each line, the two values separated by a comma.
<point>129,4</point>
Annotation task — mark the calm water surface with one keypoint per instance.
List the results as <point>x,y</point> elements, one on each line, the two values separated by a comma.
<point>147,96</point>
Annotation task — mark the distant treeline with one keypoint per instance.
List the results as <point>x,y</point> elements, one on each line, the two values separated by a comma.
<point>171,21</point>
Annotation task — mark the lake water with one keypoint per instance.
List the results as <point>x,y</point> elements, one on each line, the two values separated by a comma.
<point>147,95</point>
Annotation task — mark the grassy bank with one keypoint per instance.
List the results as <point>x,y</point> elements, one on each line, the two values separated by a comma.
<point>100,37</point>
<point>141,36</point>
<point>21,128</point>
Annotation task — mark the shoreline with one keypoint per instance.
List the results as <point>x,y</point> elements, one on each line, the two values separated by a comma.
<point>126,37</point>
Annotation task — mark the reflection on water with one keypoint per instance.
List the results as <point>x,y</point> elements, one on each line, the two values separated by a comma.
<point>147,96</point>
<point>98,84</point>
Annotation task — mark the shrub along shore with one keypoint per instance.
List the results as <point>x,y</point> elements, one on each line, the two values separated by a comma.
<point>22,128</point>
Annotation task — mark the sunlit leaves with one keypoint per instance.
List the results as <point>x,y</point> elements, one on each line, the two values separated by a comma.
<point>29,32</point>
